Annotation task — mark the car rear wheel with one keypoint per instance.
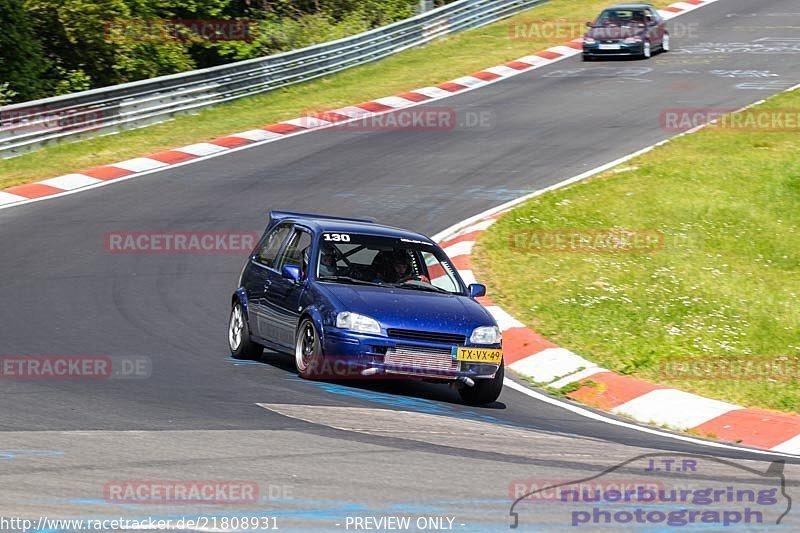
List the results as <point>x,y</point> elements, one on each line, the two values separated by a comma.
<point>484,391</point>
<point>239,336</point>
<point>308,350</point>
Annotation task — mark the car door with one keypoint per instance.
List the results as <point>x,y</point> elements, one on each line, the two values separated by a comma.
<point>261,273</point>
<point>284,295</point>
<point>655,27</point>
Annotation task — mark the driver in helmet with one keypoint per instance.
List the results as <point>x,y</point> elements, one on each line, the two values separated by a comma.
<point>400,268</point>
<point>400,265</point>
<point>327,262</point>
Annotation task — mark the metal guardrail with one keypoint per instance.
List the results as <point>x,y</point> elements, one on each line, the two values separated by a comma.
<point>32,125</point>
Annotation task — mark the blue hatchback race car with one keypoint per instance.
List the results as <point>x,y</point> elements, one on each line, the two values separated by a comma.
<point>353,299</point>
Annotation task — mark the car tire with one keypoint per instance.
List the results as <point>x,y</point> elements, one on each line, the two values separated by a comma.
<point>587,58</point>
<point>647,50</point>
<point>484,391</point>
<point>307,350</point>
<point>665,43</point>
<point>239,342</point>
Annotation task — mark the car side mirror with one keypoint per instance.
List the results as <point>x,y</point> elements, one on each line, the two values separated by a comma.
<point>476,290</point>
<point>291,272</point>
<point>589,24</point>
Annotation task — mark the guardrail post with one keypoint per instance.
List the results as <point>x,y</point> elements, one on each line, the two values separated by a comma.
<point>423,6</point>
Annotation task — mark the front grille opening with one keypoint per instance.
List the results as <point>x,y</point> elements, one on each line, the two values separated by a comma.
<point>428,336</point>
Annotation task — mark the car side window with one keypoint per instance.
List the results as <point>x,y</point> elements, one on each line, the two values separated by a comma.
<point>297,251</point>
<point>272,245</point>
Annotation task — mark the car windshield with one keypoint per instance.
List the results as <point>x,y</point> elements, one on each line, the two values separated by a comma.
<point>620,17</point>
<point>360,259</point>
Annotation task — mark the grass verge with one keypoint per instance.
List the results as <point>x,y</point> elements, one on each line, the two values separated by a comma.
<point>436,63</point>
<point>715,310</point>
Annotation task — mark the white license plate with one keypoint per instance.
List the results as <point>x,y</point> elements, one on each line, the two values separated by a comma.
<point>609,47</point>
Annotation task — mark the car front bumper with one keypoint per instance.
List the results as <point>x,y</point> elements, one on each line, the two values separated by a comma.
<point>353,355</point>
<point>625,49</point>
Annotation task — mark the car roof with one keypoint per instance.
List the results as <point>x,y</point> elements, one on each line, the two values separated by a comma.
<point>325,225</point>
<point>628,6</point>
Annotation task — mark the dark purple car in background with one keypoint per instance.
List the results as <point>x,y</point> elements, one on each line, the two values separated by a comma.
<point>626,30</point>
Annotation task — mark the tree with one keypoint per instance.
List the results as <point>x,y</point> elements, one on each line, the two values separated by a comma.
<point>22,62</point>
<point>61,46</point>
<point>102,41</point>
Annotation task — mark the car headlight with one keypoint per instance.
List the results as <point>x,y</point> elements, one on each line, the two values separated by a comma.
<point>631,40</point>
<point>486,335</point>
<point>356,322</point>
<point>588,40</point>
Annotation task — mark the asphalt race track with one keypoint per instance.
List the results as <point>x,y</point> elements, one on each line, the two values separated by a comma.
<point>322,451</point>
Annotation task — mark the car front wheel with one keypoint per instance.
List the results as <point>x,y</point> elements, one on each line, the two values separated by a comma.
<point>665,43</point>
<point>484,391</point>
<point>647,50</point>
<point>239,336</point>
<point>307,350</point>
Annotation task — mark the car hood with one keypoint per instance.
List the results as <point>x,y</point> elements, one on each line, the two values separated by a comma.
<point>613,33</point>
<point>411,309</point>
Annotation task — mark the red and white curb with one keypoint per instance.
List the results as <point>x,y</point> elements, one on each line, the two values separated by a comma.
<point>123,170</point>
<point>531,355</point>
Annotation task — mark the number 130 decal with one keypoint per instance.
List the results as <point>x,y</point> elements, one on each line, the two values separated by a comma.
<point>336,237</point>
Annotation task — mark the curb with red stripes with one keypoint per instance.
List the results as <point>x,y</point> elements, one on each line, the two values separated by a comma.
<point>531,355</point>
<point>115,172</point>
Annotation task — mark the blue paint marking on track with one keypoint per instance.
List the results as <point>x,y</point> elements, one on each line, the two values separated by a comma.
<point>408,403</point>
<point>6,455</point>
<point>240,362</point>
<point>421,405</point>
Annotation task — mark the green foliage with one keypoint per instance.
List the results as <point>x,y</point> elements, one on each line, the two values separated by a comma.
<point>376,11</point>
<point>283,35</point>
<point>6,94</point>
<point>72,81</point>
<point>373,12</point>
<point>87,45</point>
<point>61,46</point>
<point>21,59</point>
